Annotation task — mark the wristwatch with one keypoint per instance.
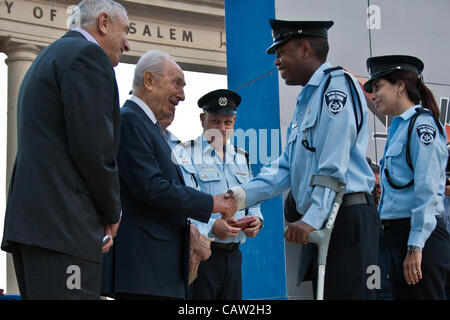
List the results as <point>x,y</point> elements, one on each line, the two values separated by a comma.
<point>414,249</point>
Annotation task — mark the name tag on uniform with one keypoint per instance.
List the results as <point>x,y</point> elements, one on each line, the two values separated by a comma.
<point>208,169</point>
<point>241,173</point>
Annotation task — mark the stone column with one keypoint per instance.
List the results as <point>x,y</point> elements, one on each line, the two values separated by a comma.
<point>20,58</point>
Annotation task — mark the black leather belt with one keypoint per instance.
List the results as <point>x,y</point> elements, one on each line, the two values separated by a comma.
<point>386,224</point>
<point>353,199</point>
<point>225,246</point>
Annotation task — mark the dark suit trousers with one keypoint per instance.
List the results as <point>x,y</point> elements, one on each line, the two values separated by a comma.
<point>44,274</point>
<point>219,277</point>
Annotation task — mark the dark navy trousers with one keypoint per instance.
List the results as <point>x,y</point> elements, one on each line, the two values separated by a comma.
<point>219,277</point>
<point>435,262</point>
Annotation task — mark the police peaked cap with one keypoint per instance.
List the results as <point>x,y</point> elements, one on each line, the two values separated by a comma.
<point>220,101</point>
<point>383,65</point>
<point>282,31</point>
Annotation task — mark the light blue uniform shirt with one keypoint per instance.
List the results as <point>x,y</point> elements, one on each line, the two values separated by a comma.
<point>425,199</point>
<point>214,176</point>
<point>182,157</point>
<point>328,123</point>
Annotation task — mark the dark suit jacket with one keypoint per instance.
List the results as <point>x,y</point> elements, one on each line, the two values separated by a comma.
<point>65,186</point>
<point>151,248</point>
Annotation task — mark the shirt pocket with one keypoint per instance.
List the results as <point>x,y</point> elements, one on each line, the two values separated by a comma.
<point>188,167</point>
<point>210,180</point>
<point>293,135</point>
<point>395,160</point>
<point>241,174</point>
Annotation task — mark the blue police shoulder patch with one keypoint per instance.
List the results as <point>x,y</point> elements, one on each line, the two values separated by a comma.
<point>426,134</point>
<point>335,101</point>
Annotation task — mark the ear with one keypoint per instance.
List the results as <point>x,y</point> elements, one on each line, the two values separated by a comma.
<point>149,79</point>
<point>305,48</point>
<point>103,23</point>
<point>400,86</point>
<point>202,118</point>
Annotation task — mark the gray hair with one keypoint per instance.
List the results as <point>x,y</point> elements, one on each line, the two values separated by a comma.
<point>153,61</point>
<point>87,12</point>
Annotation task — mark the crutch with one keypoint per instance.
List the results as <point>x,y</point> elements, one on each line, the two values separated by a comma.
<point>322,237</point>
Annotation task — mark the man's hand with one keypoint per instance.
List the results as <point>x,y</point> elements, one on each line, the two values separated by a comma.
<point>254,228</point>
<point>111,231</point>
<point>239,194</point>
<point>225,204</point>
<point>222,230</point>
<point>298,232</point>
<point>114,228</point>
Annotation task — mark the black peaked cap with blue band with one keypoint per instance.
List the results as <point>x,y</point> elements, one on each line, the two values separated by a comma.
<point>383,65</point>
<point>220,101</point>
<point>283,31</point>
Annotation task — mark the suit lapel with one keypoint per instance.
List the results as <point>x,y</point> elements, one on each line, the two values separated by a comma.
<point>156,132</point>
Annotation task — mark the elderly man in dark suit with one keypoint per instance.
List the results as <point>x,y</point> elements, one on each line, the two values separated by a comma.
<point>151,255</point>
<point>64,191</point>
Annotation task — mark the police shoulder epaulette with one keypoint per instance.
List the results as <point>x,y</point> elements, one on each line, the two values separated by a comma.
<point>329,70</point>
<point>240,150</point>
<point>245,153</point>
<point>189,143</point>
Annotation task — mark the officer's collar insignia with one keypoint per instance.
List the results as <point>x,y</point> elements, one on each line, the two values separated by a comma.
<point>223,101</point>
<point>335,101</point>
<point>426,133</point>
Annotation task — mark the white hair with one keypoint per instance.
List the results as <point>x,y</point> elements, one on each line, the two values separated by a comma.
<point>87,12</point>
<point>153,61</point>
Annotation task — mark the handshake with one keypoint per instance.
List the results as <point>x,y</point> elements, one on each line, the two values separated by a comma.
<point>231,201</point>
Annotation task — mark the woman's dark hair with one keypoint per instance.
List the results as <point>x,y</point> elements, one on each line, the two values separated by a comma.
<point>417,91</point>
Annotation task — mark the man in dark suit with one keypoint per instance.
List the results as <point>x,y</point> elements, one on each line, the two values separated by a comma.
<point>152,246</point>
<point>64,191</point>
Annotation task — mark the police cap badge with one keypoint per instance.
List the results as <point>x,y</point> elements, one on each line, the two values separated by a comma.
<point>220,101</point>
<point>383,65</point>
<point>282,31</point>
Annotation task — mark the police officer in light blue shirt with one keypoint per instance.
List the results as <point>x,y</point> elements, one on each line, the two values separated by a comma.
<point>412,178</point>
<point>182,157</point>
<point>328,135</point>
<point>219,166</point>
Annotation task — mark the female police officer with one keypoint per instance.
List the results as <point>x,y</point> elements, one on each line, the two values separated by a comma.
<point>412,178</point>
